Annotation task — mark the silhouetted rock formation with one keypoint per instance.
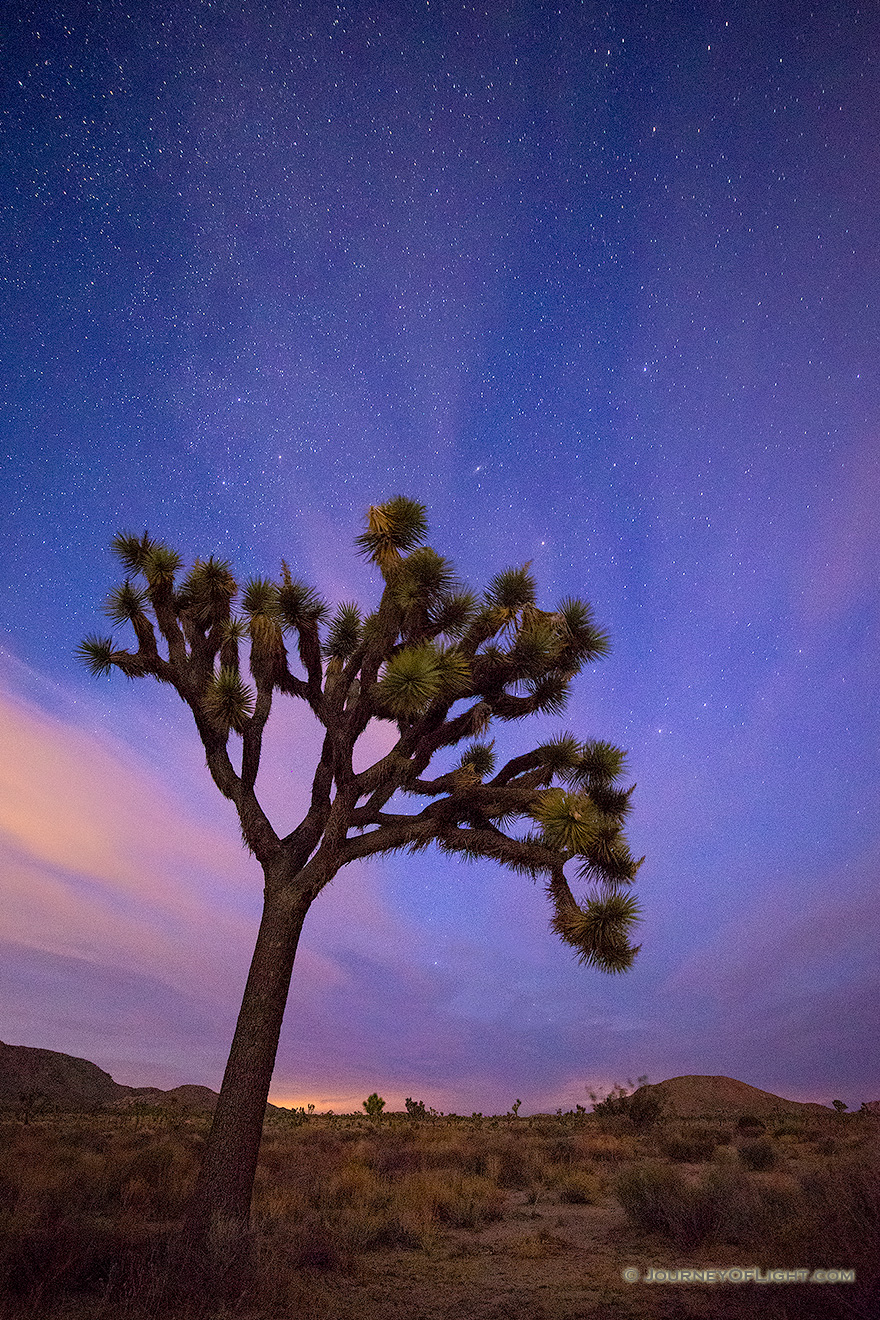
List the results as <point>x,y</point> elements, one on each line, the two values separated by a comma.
<point>64,1082</point>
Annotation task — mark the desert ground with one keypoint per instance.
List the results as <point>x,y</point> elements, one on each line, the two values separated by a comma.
<point>495,1218</point>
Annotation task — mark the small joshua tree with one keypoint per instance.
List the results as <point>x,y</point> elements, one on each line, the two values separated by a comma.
<point>441,666</point>
<point>374,1104</point>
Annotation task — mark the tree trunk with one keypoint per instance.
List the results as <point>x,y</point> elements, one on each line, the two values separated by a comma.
<point>221,1203</point>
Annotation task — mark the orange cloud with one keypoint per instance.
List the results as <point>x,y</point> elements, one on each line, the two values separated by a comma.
<point>101,859</point>
<point>73,799</point>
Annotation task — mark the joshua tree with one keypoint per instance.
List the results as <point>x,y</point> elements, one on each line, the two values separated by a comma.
<point>440,664</point>
<point>374,1104</point>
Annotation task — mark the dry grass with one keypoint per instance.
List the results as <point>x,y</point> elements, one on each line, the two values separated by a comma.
<point>89,1209</point>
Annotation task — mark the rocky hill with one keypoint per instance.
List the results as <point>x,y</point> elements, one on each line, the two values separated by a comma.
<point>68,1083</point>
<point>709,1097</point>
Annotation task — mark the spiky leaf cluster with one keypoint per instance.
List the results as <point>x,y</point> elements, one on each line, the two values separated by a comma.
<point>141,554</point>
<point>583,640</point>
<point>568,821</point>
<point>534,649</point>
<point>508,593</point>
<point>132,550</point>
<point>423,577</point>
<point>126,603</point>
<point>549,695</point>
<point>97,654</point>
<point>344,634</point>
<point>232,633</point>
<point>208,591</point>
<point>260,605</point>
<point>260,598</point>
<point>453,614</point>
<point>161,565</point>
<point>397,525</point>
<point>608,858</point>
<point>299,605</point>
<point>454,670</point>
<point>601,765</point>
<point>561,754</point>
<point>228,701</point>
<point>613,802</point>
<point>412,680</point>
<point>480,757</point>
<point>600,931</point>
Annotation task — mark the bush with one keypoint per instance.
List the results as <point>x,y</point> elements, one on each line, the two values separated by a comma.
<point>644,1109</point>
<point>725,1207</point>
<point>695,1145</point>
<point>606,1147</point>
<point>651,1195</point>
<point>577,1188</point>
<point>640,1107</point>
<point>759,1154</point>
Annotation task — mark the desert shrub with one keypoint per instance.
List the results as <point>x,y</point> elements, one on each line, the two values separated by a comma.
<point>538,1246</point>
<point>512,1163</point>
<point>639,1107</point>
<point>651,1194</point>
<point>396,1156</point>
<point>644,1109</point>
<point>459,1200</point>
<point>384,1194</point>
<point>577,1187</point>
<point>562,1151</point>
<point>155,1178</point>
<point>313,1245</point>
<point>845,1203</point>
<point>442,1151</point>
<point>42,1261</point>
<point>614,1105</point>
<point>694,1145</point>
<point>750,1123</point>
<point>838,1226</point>
<point>726,1206</point>
<point>605,1146</point>
<point>759,1154</point>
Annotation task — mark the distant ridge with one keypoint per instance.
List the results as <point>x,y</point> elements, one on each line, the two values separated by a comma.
<point>70,1083</point>
<point>705,1097</point>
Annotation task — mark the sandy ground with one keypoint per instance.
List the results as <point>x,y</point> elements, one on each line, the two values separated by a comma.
<point>549,1262</point>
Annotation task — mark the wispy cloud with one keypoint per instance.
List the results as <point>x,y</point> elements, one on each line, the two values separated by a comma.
<point>841,568</point>
<point>110,870</point>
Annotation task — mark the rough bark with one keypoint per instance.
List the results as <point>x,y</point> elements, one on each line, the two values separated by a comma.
<point>222,1199</point>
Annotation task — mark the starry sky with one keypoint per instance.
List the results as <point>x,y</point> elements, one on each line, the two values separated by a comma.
<point>598,284</point>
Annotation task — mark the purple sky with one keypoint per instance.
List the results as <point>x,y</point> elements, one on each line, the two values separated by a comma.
<point>599,285</point>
